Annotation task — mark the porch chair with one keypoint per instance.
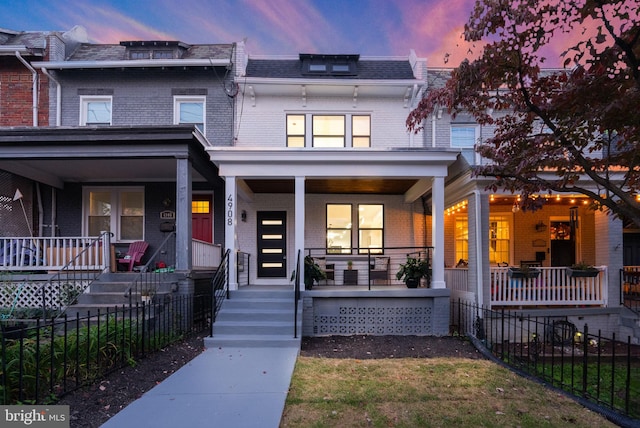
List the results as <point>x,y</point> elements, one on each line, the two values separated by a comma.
<point>328,269</point>
<point>379,269</point>
<point>134,255</point>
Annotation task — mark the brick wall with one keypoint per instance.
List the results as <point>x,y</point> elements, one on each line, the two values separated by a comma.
<point>16,95</point>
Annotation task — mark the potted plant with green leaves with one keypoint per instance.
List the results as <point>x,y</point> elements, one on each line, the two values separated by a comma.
<point>312,272</point>
<point>582,270</point>
<point>412,271</point>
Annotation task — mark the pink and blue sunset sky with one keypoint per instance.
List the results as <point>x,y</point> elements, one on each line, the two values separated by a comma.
<point>271,27</point>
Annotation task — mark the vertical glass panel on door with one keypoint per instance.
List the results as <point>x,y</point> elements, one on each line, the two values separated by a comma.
<point>99,212</point>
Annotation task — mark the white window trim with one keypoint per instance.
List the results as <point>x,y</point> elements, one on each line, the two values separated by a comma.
<point>348,131</point>
<point>476,137</point>
<point>84,104</point>
<point>178,99</point>
<point>115,203</point>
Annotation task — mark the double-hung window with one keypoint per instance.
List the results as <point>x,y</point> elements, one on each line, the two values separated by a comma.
<point>361,131</point>
<point>370,228</point>
<point>339,226</point>
<point>295,130</point>
<point>95,110</point>
<point>499,241</point>
<point>464,135</point>
<point>188,109</point>
<point>461,237</point>
<point>119,210</point>
<point>328,131</point>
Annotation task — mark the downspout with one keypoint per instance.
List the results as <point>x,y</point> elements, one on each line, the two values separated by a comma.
<point>433,129</point>
<point>411,105</point>
<point>58,95</point>
<point>34,74</point>
<point>54,210</point>
<point>40,210</point>
<point>479,257</point>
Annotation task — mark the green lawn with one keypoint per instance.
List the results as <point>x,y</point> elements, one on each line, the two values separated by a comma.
<point>438,392</point>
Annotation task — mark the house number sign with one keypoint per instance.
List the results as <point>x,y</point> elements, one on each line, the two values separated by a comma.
<point>230,210</point>
<point>167,215</point>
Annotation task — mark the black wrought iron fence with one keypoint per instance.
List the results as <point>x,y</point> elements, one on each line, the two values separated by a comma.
<point>630,287</point>
<point>43,360</point>
<point>599,370</point>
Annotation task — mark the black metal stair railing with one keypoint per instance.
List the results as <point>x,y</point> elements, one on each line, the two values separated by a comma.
<point>220,286</point>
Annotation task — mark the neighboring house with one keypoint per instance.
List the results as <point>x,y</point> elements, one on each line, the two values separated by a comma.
<point>24,101</point>
<point>123,150</point>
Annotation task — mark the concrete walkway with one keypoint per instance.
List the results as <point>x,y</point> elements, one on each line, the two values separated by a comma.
<point>240,380</point>
<point>223,387</point>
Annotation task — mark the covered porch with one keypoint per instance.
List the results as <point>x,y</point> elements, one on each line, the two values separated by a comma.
<point>135,182</point>
<point>302,183</point>
<point>503,256</point>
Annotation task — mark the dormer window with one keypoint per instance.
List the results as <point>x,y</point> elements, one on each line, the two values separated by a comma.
<point>329,65</point>
<point>139,55</point>
<point>155,49</point>
<point>163,54</point>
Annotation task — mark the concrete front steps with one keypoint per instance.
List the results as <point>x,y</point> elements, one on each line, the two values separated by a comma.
<point>256,318</point>
<point>630,325</point>
<point>107,293</point>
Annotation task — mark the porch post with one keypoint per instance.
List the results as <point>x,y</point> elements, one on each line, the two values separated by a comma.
<point>183,214</point>
<point>230,218</point>
<point>479,267</point>
<point>437,233</point>
<point>609,236</point>
<point>299,221</point>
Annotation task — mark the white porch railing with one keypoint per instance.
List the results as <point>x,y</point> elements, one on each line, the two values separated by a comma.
<point>52,254</point>
<point>45,254</point>
<point>457,279</point>
<point>553,287</point>
<point>205,255</point>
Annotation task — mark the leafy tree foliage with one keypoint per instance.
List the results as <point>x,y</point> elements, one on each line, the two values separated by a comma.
<point>572,130</point>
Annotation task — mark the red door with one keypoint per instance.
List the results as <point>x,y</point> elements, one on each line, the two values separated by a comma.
<point>202,218</point>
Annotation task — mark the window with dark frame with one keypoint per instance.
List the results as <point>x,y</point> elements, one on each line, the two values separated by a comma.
<point>361,131</point>
<point>328,131</point>
<point>371,228</point>
<point>339,225</point>
<point>295,130</point>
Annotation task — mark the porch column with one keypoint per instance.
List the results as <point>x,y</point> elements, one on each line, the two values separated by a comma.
<point>183,214</point>
<point>437,233</point>
<point>479,267</point>
<point>299,221</point>
<point>609,252</point>
<point>231,217</point>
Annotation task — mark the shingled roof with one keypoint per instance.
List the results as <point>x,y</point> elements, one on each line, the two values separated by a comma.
<point>367,69</point>
<point>118,52</point>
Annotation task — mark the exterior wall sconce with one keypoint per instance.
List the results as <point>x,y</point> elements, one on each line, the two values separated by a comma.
<point>541,227</point>
<point>243,216</point>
